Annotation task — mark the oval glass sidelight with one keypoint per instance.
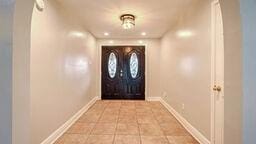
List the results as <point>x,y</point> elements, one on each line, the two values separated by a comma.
<point>112,65</point>
<point>134,65</point>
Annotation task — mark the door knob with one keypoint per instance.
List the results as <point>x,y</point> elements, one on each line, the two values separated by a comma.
<point>217,88</point>
<point>121,73</point>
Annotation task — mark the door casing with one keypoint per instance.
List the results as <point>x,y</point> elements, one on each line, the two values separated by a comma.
<point>124,44</point>
<point>214,108</point>
<point>130,88</point>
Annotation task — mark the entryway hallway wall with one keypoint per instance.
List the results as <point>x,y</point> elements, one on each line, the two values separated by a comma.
<point>62,69</point>
<point>152,53</point>
<point>186,67</point>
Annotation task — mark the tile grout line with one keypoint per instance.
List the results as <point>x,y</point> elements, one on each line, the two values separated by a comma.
<point>159,124</point>
<point>137,122</point>
<point>116,124</point>
<point>95,124</point>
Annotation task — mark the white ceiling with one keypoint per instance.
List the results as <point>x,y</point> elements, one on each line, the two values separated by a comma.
<point>154,17</point>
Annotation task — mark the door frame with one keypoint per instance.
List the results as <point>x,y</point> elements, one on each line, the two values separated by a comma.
<point>213,107</point>
<point>124,44</point>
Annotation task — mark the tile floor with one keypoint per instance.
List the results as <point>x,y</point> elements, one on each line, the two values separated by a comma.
<point>127,122</point>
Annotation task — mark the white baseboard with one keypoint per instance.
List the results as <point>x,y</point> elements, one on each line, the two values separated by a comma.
<point>98,97</point>
<point>191,129</point>
<point>153,98</point>
<point>61,130</point>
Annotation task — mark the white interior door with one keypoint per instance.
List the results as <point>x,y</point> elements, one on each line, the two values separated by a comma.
<point>217,75</point>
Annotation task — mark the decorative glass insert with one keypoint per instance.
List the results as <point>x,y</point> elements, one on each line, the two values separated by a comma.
<point>112,65</point>
<point>134,65</point>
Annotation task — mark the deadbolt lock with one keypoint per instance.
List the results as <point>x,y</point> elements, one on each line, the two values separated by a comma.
<point>217,88</point>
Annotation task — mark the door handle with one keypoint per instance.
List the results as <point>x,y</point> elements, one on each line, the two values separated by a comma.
<point>121,73</point>
<point>217,88</point>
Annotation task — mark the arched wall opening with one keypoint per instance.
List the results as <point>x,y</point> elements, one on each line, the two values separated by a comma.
<point>18,109</point>
<point>232,72</point>
<point>21,132</point>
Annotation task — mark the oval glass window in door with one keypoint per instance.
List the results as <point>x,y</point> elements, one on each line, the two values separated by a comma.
<point>112,65</point>
<point>134,65</point>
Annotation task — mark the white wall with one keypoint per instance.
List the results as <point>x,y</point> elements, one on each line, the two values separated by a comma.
<point>62,67</point>
<point>186,66</point>
<point>152,61</point>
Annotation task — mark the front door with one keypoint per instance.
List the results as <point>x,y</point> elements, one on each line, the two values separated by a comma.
<point>123,72</point>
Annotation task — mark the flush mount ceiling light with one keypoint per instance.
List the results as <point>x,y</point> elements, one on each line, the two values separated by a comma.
<point>140,41</point>
<point>128,21</point>
<point>143,33</point>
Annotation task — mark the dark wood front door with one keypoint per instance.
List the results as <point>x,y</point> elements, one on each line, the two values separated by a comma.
<point>123,72</point>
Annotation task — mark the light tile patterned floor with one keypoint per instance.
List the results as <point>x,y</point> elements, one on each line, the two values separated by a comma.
<point>127,122</point>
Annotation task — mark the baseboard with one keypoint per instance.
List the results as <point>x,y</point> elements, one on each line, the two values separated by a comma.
<point>153,98</point>
<point>98,97</point>
<point>191,129</point>
<point>61,130</point>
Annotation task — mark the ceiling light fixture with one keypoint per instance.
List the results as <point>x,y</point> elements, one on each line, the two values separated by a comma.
<point>106,34</point>
<point>76,34</point>
<point>128,21</point>
<point>143,33</point>
<point>140,41</point>
<point>185,33</point>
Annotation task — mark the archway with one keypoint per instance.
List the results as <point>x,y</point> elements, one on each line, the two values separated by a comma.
<point>21,71</point>
<point>16,101</point>
<point>233,72</point>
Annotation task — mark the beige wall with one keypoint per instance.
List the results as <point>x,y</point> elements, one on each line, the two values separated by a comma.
<point>152,61</point>
<point>186,67</point>
<point>21,45</point>
<point>233,71</point>
<point>62,69</point>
